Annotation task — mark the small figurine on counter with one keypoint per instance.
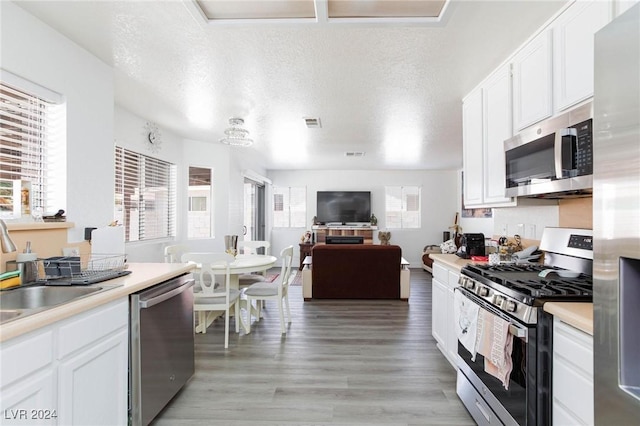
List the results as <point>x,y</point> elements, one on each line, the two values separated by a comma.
<point>306,238</point>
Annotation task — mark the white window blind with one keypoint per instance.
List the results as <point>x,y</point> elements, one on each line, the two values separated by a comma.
<point>145,189</point>
<point>30,131</point>
<point>289,207</point>
<point>402,207</point>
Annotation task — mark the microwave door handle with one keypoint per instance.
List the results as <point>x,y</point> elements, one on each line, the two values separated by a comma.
<point>559,151</point>
<point>557,154</point>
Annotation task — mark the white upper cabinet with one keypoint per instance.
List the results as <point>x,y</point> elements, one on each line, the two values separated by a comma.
<point>472,139</point>
<point>486,118</point>
<point>532,82</point>
<point>496,94</point>
<point>573,34</point>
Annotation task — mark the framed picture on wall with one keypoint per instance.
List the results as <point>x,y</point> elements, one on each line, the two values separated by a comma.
<point>479,213</point>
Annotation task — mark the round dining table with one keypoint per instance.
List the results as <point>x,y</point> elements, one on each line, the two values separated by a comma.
<point>248,263</point>
<point>243,264</point>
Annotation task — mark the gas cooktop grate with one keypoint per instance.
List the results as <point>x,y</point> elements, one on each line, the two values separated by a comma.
<point>552,288</point>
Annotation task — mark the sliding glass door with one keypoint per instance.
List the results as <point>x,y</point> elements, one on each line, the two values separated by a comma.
<point>254,211</point>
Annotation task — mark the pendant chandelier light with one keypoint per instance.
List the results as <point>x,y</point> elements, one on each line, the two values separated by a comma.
<point>236,135</point>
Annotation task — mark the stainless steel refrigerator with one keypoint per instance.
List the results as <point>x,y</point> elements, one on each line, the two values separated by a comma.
<point>616,221</point>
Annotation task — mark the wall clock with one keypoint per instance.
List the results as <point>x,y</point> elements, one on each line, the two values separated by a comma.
<point>153,138</point>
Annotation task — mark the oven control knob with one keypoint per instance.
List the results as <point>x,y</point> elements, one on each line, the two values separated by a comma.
<point>497,300</point>
<point>510,306</point>
<point>469,284</point>
<point>483,292</point>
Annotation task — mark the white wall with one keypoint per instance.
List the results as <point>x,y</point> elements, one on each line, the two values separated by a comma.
<point>439,203</point>
<point>528,219</point>
<point>39,54</point>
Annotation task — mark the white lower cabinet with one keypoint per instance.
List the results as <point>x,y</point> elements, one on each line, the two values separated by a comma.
<point>74,372</point>
<point>27,380</point>
<point>442,319</point>
<point>91,384</point>
<point>572,375</point>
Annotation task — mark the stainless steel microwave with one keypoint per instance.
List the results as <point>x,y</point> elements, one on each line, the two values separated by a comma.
<point>552,159</point>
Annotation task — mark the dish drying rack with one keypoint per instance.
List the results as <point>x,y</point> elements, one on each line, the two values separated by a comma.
<point>81,270</point>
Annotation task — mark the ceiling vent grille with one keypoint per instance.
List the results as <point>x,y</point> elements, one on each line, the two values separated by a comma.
<point>354,153</point>
<point>312,123</point>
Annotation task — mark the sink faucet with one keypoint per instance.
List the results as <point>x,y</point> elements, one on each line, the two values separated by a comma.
<point>5,240</point>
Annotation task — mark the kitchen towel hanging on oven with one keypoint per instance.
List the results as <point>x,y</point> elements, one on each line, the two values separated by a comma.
<point>495,343</point>
<point>466,314</point>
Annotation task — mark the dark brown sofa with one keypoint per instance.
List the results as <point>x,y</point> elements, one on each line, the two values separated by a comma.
<point>357,271</point>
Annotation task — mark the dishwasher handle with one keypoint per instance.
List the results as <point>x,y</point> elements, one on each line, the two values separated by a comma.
<point>144,304</point>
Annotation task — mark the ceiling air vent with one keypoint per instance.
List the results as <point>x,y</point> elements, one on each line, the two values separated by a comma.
<point>354,154</point>
<point>312,123</point>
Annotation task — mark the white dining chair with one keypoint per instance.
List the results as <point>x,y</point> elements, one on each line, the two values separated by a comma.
<point>252,247</point>
<point>174,252</point>
<point>277,290</point>
<point>211,298</point>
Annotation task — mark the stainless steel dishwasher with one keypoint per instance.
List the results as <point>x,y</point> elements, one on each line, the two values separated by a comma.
<point>161,346</point>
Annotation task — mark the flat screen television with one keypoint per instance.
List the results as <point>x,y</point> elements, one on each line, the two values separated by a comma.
<point>343,206</point>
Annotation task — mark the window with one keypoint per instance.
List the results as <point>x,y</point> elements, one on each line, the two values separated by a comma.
<point>32,149</point>
<point>199,217</point>
<point>145,196</point>
<point>289,207</point>
<point>197,204</point>
<point>402,205</point>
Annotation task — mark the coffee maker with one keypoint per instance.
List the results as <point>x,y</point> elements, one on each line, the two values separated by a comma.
<point>471,245</point>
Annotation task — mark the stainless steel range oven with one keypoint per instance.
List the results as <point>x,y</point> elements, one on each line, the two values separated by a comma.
<point>516,294</point>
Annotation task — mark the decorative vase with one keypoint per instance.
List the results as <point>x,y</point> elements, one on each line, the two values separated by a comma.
<point>231,244</point>
<point>374,220</point>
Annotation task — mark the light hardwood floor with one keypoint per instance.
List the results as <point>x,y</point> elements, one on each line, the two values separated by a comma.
<point>348,362</point>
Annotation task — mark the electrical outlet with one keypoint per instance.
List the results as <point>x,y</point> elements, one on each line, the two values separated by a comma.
<point>503,232</point>
<point>531,232</point>
<point>519,229</point>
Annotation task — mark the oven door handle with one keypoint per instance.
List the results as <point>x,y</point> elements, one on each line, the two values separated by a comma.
<point>522,333</point>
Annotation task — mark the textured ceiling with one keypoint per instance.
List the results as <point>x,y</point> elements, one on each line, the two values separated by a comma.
<point>392,90</point>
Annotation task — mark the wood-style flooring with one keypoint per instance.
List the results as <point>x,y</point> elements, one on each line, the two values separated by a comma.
<point>342,362</point>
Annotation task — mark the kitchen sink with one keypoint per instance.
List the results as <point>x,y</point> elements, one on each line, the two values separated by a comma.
<point>23,301</point>
<point>42,296</point>
<point>9,315</point>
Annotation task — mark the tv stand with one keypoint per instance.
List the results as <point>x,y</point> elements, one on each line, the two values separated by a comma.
<point>348,225</point>
<point>364,231</point>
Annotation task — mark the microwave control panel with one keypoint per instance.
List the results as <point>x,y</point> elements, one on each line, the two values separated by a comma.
<point>584,148</point>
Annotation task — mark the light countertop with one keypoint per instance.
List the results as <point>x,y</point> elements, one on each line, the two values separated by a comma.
<point>143,275</point>
<point>452,260</point>
<point>579,315</point>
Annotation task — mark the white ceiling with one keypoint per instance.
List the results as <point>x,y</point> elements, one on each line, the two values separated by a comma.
<point>390,90</point>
